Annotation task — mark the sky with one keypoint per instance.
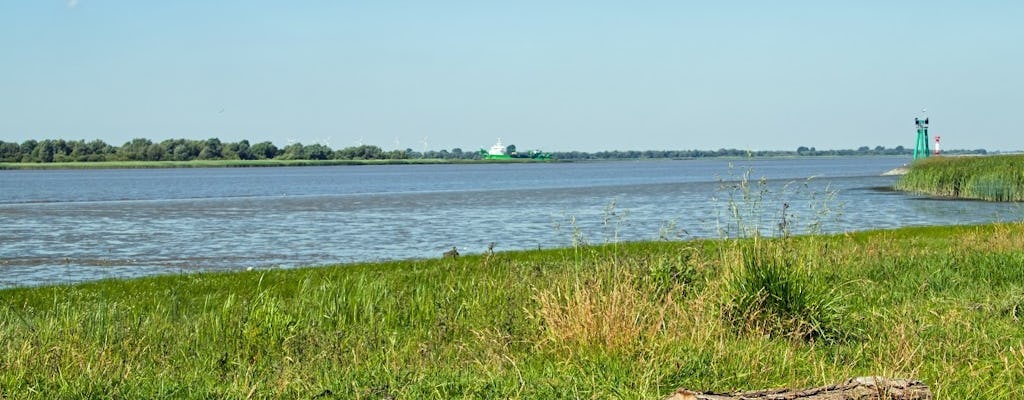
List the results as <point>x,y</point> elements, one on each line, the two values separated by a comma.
<point>553,75</point>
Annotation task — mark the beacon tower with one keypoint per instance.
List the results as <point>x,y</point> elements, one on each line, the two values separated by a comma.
<point>921,147</point>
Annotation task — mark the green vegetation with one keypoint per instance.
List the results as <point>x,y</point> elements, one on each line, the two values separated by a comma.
<point>732,152</point>
<point>992,178</point>
<point>141,149</point>
<point>234,163</point>
<point>62,151</point>
<point>624,320</point>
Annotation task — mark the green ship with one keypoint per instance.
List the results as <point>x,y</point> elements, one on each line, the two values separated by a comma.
<point>500,152</point>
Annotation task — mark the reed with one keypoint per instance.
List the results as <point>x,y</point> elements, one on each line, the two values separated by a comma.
<point>991,178</point>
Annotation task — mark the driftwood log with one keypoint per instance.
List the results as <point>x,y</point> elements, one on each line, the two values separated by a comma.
<point>863,388</point>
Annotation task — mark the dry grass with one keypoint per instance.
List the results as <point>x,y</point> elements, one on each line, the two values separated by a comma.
<point>999,237</point>
<point>614,315</point>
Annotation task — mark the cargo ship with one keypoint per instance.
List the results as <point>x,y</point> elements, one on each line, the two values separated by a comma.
<point>500,152</point>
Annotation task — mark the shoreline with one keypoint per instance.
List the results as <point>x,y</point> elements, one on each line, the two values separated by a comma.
<point>321,163</point>
<point>244,163</point>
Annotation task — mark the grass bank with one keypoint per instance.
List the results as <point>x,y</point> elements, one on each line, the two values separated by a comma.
<point>632,320</point>
<point>243,163</point>
<point>992,178</point>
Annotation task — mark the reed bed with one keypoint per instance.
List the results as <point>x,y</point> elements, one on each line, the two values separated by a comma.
<point>630,320</point>
<point>991,178</point>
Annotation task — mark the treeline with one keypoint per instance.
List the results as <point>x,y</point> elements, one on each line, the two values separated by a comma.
<point>800,151</point>
<point>46,151</point>
<point>59,150</point>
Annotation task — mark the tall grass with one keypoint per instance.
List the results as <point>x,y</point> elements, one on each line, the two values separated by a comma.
<point>992,178</point>
<point>747,206</point>
<point>770,294</point>
<point>632,320</point>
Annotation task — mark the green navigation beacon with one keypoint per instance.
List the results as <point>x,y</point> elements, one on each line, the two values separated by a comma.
<point>921,148</point>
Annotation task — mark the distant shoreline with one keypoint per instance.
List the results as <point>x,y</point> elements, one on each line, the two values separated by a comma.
<point>321,163</point>
<point>332,163</point>
<point>410,161</point>
<point>244,163</point>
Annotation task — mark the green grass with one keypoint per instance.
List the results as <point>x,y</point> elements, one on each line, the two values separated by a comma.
<point>992,178</point>
<point>243,163</point>
<point>634,320</point>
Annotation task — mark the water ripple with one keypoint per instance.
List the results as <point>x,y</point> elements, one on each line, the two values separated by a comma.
<point>130,223</point>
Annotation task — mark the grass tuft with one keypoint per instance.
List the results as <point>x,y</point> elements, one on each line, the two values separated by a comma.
<point>769,294</point>
<point>611,315</point>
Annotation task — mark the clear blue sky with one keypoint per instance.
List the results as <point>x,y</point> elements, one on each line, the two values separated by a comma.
<point>556,75</point>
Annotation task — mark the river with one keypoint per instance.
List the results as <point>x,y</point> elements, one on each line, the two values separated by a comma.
<point>66,226</point>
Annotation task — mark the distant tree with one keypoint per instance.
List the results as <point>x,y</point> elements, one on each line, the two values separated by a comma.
<point>135,150</point>
<point>292,152</point>
<point>155,152</point>
<point>510,149</point>
<point>372,152</point>
<point>26,150</point>
<point>263,151</point>
<point>185,150</point>
<point>396,155</point>
<point>348,153</point>
<point>61,150</point>
<point>238,151</point>
<point>79,151</point>
<point>171,149</point>
<point>43,152</point>
<point>363,152</point>
<point>316,151</point>
<point>98,150</point>
<point>244,151</point>
<point>10,152</point>
<point>212,150</point>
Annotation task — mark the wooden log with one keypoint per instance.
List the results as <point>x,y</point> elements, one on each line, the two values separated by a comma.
<point>862,388</point>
